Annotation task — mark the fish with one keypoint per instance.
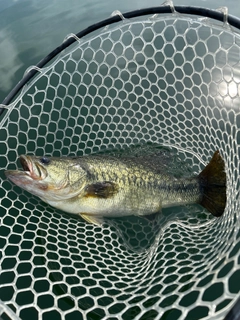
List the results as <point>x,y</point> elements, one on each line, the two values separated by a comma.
<point>97,186</point>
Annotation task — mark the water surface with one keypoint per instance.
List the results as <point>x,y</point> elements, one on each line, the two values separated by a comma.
<point>30,29</point>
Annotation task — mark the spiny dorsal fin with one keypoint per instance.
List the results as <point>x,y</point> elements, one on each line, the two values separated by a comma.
<point>103,189</point>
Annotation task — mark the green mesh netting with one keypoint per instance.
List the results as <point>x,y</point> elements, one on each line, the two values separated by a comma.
<point>169,80</point>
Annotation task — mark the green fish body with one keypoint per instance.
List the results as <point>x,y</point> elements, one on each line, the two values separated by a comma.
<point>97,186</point>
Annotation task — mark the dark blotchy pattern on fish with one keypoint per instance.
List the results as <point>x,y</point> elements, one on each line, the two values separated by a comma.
<point>96,186</point>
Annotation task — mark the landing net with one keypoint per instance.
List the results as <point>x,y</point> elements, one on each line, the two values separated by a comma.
<point>164,76</point>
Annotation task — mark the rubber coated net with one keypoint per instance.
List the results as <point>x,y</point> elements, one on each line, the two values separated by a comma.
<point>168,80</point>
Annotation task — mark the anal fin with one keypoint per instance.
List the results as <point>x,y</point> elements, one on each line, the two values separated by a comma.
<point>92,219</point>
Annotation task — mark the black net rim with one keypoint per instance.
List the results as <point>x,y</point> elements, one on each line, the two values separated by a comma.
<point>234,313</point>
<point>198,11</point>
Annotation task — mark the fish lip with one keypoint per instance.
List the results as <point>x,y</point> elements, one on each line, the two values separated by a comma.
<point>26,164</point>
<point>18,177</point>
<point>14,173</point>
<point>32,168</point>
<point>25,181</point>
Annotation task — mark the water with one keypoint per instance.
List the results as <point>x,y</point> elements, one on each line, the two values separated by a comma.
<point>30,29</point>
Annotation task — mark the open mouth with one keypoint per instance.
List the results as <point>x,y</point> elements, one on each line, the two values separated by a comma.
<point>31,168</point>
<point>25,164</point>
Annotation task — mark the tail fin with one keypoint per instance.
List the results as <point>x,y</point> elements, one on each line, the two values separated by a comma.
<point>213,184</point>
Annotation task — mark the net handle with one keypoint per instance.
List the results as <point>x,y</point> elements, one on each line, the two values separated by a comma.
<point>234,313</point>
<point>199,11</point>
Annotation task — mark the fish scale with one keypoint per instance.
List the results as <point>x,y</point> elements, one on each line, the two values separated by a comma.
<point>97,186</point>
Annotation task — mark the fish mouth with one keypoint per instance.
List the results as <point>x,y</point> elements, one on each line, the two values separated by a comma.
<point>25,164</point>
<point>31,178</point>
<point>32,168</point>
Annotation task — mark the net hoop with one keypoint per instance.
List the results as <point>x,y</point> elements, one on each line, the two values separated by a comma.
<point>217,15</point>
<point>228,21</point>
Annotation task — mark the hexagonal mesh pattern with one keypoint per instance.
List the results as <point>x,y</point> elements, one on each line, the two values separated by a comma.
<point>172,81</point>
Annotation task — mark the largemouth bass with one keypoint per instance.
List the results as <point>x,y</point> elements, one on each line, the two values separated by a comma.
<point>97,186</point>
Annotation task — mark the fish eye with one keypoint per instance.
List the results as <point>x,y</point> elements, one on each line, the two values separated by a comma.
<point>45,160</point>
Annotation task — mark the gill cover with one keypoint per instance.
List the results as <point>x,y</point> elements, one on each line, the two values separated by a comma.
<point>65,177</point>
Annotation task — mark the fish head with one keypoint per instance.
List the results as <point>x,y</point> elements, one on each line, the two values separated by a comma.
<point>49,178</point>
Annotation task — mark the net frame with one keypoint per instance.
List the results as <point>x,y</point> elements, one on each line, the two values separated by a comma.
<point>217,15</point>
<point>220,16</point>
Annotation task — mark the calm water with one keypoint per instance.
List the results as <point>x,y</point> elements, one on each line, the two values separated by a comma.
<point>30,29</point>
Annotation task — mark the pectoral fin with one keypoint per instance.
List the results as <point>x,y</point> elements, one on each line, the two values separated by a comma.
<point>92,219</point>
<point>103,189</point>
